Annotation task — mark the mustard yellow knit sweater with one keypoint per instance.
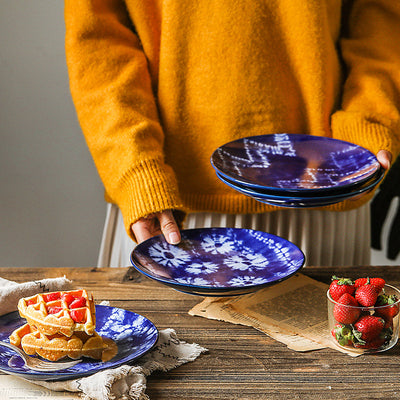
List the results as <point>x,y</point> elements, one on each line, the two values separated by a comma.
<point>160,84</point>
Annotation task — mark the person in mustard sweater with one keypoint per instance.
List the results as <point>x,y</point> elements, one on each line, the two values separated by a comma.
<point>158,85</point>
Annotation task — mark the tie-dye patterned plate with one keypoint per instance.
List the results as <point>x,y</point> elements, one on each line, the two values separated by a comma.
<point>295,163</point>
<point>218,261</point>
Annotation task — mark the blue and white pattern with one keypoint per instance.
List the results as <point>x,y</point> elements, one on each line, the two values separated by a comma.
<point>218,260</point>
<point>294,162</point>
<point>134,335</point>
<point>168,256</point>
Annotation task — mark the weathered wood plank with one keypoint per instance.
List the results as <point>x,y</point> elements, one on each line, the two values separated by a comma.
<point>241,362</point>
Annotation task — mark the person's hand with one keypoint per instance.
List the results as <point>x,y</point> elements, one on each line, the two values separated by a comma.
<point>156,224</point>
<point>385,158</point>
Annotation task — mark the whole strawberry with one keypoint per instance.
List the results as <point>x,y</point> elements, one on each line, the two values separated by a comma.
<point>340,286</point>
<point>386,306</point>
<point>378,282</point>
<point>366,295</point>
<point>346,309</point>
<point>384,336</point>
<point>368,328</point>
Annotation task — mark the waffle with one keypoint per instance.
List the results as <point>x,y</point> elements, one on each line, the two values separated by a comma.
<point>60,312</point>
<point>58,346</point>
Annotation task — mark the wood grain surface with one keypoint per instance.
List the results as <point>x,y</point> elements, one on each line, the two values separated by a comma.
<point>241,362</point>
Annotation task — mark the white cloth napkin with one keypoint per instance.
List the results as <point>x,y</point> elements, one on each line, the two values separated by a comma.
<point>126,382</point>
<point>11,292</point>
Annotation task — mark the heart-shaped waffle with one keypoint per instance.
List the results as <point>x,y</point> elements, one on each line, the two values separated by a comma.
<point>58,346</point>
<point>60,312</point>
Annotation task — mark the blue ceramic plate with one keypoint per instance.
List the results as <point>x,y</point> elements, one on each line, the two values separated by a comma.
<point>218,261</point>
<point>294,162</point>
<point>134,335</point>
<point>293,201</point>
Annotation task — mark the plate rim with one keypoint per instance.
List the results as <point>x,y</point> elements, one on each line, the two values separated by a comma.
<point>335,197</point>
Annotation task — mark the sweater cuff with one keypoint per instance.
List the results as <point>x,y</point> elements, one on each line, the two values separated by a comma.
<point>148,188</point>
<point>373,136</point>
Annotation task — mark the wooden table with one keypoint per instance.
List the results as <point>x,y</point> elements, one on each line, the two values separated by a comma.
<point>242,363</point>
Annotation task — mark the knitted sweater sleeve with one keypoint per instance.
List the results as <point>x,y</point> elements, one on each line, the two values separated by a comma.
<point>370,109</point>
<point>112,92</point>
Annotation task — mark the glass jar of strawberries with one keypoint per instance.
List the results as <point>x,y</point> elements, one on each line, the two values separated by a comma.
<point>363,314</point>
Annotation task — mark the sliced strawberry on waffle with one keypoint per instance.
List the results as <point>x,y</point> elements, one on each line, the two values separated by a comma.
<point>60,312</point>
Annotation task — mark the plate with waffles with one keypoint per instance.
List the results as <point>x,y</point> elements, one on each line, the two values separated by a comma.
<point>50,326</point>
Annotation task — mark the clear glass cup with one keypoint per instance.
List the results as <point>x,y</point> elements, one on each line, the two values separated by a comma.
<point>344,335</point>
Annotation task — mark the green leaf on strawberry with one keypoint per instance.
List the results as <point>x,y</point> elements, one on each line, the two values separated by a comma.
<point>343,334</point>
<point>386,334</point>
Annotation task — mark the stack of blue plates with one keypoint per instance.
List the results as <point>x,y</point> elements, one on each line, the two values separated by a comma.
<point>294,170</point>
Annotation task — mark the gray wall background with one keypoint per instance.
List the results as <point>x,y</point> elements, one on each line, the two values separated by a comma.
<point>51,199</point>
<point>51,203</point>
